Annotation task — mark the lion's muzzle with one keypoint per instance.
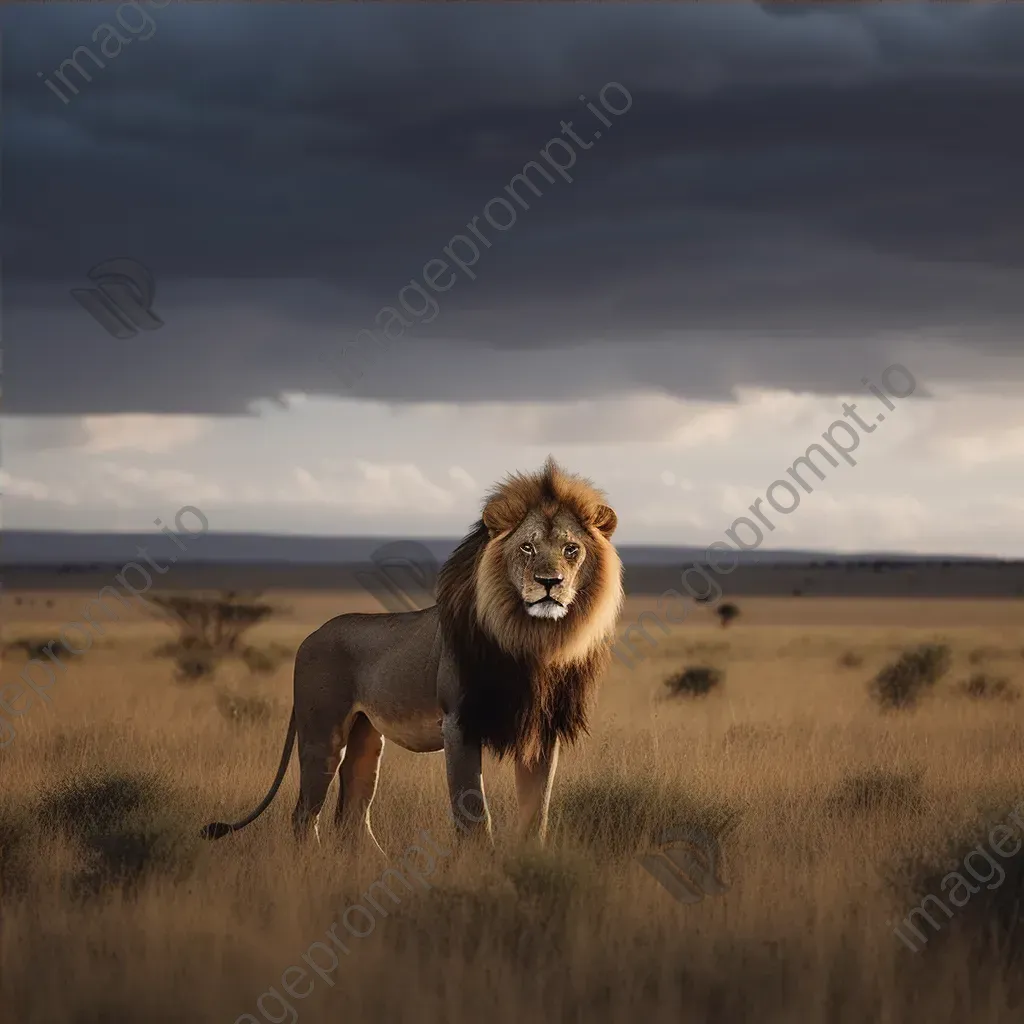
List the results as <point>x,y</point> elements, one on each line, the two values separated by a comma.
<point>546,608</point>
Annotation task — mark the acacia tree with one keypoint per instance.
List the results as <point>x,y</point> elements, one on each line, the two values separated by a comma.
<point>726,613</point>
<point>216,621</point>
<point>210,628</point>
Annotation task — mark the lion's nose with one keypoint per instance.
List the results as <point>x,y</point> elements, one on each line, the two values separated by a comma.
<point>547,582</point>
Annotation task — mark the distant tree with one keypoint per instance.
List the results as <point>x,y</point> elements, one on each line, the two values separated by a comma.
<point>726,613</point>
<point>210,628</point>
<point>216,622</point>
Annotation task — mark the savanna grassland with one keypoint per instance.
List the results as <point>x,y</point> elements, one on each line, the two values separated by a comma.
<point>834,818</point>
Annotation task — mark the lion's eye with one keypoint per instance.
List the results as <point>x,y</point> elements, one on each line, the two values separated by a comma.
<point>527,549</point>
<point>571,550</point>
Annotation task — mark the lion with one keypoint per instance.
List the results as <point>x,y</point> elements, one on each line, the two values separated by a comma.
<point>506,660</point>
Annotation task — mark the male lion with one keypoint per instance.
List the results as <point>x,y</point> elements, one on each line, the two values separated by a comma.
<point>507,659</point>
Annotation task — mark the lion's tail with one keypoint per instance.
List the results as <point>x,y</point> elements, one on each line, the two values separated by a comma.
<point>219,829</point>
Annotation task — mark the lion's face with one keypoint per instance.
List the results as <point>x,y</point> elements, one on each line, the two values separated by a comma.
<point>539,573</point>
<point>546,563</point>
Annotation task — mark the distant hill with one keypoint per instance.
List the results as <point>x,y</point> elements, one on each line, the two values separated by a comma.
<point>43,548</point>
<point>33,560</point>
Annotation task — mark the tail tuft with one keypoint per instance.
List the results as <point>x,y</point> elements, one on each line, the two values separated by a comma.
<point>216,830</point>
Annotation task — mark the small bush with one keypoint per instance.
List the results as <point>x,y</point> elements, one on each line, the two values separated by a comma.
<point>244,710</point>
<point>696,681</point>
<point>35,647</point>
<point>903,682</point>
<point>125,826</point>
<point>988,924</point>
<point>980,654</point>
<point>96,804</point>
<point>548,882</point>
<point>265,660</point>
<point>194,660</point>
<point>16,866</point>
<point>707,649</point>
<point>620,817</point>
<point>985,687</point>
<point>877,790</point>
<point>851,659</point>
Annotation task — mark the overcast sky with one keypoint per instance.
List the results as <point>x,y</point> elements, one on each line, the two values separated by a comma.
<point>793,201</point>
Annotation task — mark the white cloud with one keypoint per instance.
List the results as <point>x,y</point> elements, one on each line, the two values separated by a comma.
<point>142,432</point>
<point>34,490</point>
<point>938,474</point>
<point>1007,445</point>
<point>398,487</point>
<point>371,487</point>
<point>461,477</point>
<point>975,428</point>
<point>174,485</point>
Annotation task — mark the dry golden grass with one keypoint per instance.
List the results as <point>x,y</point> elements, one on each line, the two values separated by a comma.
<point>115,910</point>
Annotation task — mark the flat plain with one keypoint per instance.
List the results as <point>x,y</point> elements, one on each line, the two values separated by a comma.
<point>834,818</point>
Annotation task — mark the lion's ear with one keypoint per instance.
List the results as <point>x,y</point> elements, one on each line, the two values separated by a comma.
<point>605,520</point>
<point>493,519</point>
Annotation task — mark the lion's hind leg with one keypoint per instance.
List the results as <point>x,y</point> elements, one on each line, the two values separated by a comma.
<point>319,757</point>
<point>359,773</point>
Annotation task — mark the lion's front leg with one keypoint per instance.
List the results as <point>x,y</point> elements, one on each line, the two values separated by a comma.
<point>533,791</point>
<point>465,781</point>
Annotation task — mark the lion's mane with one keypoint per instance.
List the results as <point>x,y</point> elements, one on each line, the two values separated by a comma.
<point>526,682</point>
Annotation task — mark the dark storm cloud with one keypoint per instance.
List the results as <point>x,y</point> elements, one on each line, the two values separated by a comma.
<point>779,177</point>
